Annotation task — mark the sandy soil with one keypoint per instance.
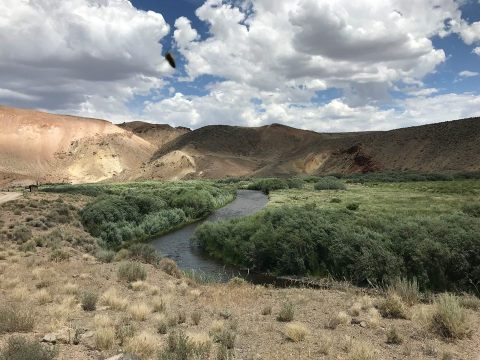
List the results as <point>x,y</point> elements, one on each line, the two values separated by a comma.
<point>9,196</point>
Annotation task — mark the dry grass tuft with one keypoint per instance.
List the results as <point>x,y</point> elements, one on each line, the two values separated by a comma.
<point>355,309</point>
<point>393,307</point>
<point>105,338</point>
<point>140,311</point>
<point>449,318</point>
<point>362,351</point>
<point>373,318</point>
<point>341,318</point>
<point>366,302</point>
<point>143,344</point>
<point>43,297</point>
<point>325,344</point>
<point>139,285</point>
<point>15,319</point>
<point>159,304</point>
<point>20,294</point>
<point>10,283</point>
<point>112,299</point>
<point>296,332</point>
<point>71,289</point>
<point>406,289</point>
<point>469,302</point>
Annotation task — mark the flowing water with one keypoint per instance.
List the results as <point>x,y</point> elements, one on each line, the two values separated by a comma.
<point>177,244</point>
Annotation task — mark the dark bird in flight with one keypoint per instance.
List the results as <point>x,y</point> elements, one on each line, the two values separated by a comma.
<point>171,60</point>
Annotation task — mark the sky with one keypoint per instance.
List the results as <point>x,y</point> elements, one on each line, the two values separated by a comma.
<point>323,65</point>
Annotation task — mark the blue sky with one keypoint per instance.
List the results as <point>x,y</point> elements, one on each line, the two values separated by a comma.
<point>321,65</point>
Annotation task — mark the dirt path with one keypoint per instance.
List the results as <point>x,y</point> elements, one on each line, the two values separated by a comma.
<point>8,196</point>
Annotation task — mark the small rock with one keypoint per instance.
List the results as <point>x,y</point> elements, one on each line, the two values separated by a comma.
<point>355,321</point>
<point>363,324</point>
<point>124,357</point>
<point>50,338</point>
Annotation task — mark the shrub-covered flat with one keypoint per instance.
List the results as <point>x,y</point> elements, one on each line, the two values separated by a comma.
<point>368,234</point>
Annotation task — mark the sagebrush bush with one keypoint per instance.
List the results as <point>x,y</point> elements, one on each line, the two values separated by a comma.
<point>15,319</point>
<point>287,313</point>
<point>353,206</point>
<point>196,317</point>
<point>144,253</point>
<point>105,256</point>
<point>393,307</point>
<point>393,337</point>
<point>170,267</point>
<point>89,301</point>
<point>58,255</point>
<point>22,233</point>
<point>329,183</point>
<point>449,318</point>
<point>19,348</point>
<point>131,271</point>
<point>472,209</point>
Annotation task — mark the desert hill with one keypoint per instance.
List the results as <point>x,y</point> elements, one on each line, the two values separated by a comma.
<point>52,148</point>
<point>36,146</point>
<point>277,150</point>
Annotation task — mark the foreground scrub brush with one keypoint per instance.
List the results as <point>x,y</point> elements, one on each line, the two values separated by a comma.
<point>171,60</point>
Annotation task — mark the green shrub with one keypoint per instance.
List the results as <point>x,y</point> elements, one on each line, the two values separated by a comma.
<point>19,348</point>
<point>472,209</point>
<point>335,200</point>
<point>15,319</point>
<point>131,271</point>
<point>267,185</point>
<point>22,233</point>
<point>287,313</point>
<point>59,255</point>
<point>329,183</point>
<point>144,253</point>
<point>225,337</point>
<point>353,206</point>
<point>27,246</point>
<point>303,240</point>
<point>89,301</point>
<point>393,337</point>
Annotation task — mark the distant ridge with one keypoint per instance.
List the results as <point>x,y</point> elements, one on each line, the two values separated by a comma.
<point>47,147</point>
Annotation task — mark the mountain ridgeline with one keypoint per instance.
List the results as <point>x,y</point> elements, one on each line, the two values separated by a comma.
<point>36,146</point>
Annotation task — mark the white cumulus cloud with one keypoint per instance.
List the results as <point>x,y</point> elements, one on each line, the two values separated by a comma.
<point>78,55</point>
<point>467,73</point>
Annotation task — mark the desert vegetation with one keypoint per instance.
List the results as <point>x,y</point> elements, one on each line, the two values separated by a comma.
<point>122,214</point>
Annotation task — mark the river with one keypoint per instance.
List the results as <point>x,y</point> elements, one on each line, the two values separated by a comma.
<point>177,244</point>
